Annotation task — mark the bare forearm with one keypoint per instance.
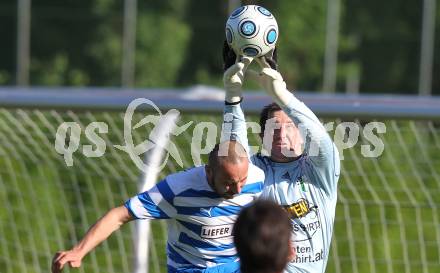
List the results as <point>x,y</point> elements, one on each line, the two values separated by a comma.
<point>105,226</point>
<point>102,229</point>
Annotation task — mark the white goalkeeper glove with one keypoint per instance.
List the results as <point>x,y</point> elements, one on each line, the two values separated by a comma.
<point>233,80</point>
<point>271,81</point>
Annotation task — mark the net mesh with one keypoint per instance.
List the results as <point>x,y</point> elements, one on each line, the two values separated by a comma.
<point>387,217</point>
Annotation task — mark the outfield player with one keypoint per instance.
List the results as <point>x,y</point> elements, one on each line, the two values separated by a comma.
<point>302,166</point>
<point>262,238</point>
<point>201,204</point>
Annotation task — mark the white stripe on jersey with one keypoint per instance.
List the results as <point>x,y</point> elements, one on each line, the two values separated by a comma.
<point>207,202</point>
<point>209,253</point>
<point>138,209</point>
<point>213,221</point>
<point>158,199</point>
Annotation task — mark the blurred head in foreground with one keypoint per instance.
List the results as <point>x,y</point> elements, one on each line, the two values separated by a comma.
<point>262,238</point>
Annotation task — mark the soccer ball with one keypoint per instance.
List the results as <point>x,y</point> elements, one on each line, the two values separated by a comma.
<point>252,31</point>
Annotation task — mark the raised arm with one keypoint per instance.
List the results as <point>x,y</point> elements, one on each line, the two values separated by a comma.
<point>234,123</point>
<point>319,147</point>
<point>155,203</point>
<point>100,231</point>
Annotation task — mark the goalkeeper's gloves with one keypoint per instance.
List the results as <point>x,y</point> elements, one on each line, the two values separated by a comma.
<point>233,77</point>
<point>271,80</point>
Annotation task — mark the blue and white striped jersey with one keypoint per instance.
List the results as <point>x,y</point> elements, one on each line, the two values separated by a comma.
<point>306,187</point>
<point>200,221</point>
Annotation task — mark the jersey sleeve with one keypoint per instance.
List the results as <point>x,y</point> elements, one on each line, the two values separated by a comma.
<point>156,203</point>
<point>319,147</point>
<point>234,125</point>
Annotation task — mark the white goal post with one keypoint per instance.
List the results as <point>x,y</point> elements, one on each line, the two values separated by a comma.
<point>153,160</point>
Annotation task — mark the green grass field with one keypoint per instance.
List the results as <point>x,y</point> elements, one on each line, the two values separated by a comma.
<point>387,217</point>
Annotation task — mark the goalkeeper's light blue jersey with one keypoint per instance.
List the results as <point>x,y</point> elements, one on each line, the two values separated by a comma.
<point>200,221</point>
<point>306,187</point>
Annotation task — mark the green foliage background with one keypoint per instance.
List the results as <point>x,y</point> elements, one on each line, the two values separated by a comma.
<point>79,43</point>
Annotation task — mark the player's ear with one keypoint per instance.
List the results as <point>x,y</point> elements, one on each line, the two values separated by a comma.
<point>229,56</point>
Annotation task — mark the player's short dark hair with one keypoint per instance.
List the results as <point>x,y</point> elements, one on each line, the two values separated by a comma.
<point>265,113</point>
<point>261,236</point>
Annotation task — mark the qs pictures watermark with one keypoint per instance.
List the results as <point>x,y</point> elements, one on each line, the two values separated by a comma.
<point>204,136</point>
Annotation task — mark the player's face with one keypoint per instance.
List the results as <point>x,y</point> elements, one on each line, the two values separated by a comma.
<point>286,141</point>
<point>228,179</point>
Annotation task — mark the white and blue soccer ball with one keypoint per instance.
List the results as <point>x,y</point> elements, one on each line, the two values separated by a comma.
<point>252,31</point>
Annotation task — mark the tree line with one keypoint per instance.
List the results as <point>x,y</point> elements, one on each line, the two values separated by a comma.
<point>179,42</point>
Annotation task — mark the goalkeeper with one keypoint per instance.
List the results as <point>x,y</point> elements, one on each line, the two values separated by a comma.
<point>202,204</point>
<point>302,164</point>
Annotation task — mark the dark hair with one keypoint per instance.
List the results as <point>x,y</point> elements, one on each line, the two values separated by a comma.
<point>261,236</point>
<point>264,115</point>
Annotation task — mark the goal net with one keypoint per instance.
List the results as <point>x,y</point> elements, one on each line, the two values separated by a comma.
<point>387,217</point>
